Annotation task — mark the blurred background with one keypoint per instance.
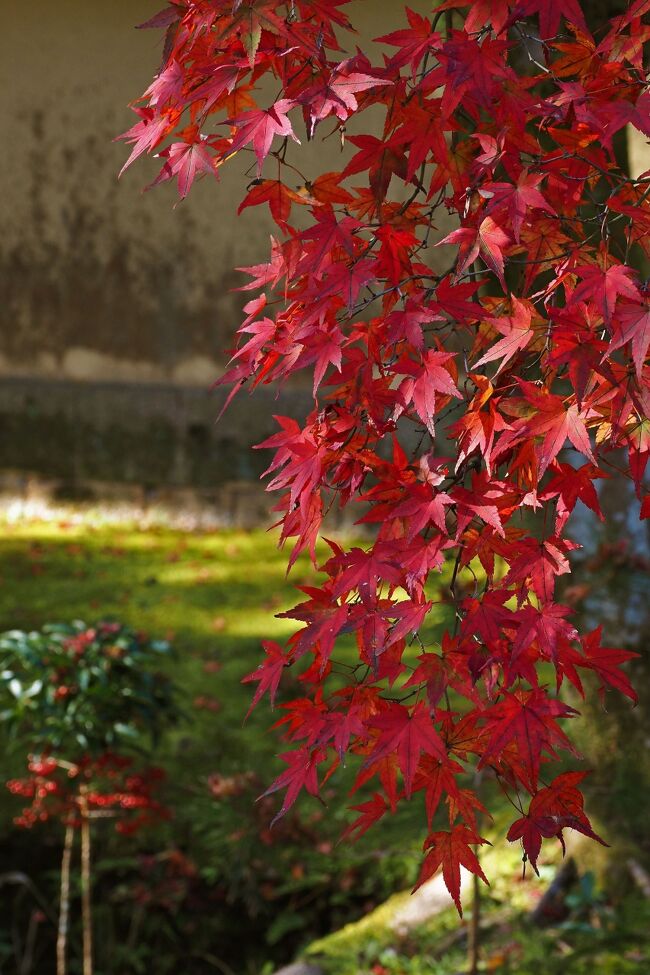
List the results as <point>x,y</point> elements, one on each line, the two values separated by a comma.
<point>122,498</point>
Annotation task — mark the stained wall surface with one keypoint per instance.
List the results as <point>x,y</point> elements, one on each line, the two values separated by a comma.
<point>101,281</point>
<point>116,306</point>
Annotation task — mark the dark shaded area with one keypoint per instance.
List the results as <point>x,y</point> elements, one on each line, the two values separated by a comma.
<point>81,435</point>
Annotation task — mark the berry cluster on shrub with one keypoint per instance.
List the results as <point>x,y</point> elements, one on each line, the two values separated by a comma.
<point>74,688</point>
<point>111,787</point>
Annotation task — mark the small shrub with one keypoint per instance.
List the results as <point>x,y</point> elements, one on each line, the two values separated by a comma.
<point>71,686</point>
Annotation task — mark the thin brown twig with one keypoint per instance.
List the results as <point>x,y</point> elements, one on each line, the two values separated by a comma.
<point>86,907</point>
<point>64,902</point>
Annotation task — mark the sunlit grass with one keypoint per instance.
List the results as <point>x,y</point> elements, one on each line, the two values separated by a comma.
<point>216,595</point>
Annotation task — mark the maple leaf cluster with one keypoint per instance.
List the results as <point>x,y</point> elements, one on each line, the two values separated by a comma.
<point>444,402</point>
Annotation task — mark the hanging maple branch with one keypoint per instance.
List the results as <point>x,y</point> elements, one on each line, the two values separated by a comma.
<point>476,379</point>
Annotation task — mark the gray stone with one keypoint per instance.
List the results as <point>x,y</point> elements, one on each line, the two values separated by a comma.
<point>300,968</point>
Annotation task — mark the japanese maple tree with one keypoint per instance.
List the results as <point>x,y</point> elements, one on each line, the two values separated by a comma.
<point>444,401</point>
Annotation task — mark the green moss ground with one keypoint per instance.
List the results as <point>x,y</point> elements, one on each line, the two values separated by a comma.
<point>597,937</point>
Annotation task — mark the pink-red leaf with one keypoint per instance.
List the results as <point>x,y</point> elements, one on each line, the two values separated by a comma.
<point>452,850</point>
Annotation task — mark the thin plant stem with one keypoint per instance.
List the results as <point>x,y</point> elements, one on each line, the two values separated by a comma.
<point>473,934</point>
<point>64,903</point>
<point>86,908</point>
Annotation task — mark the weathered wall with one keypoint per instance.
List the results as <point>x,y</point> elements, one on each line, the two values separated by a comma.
<point>116,306</point>
<point>100,281</point>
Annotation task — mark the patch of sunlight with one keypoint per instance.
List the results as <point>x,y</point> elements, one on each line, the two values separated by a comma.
<point>340,952</point>
<point>261,578</point>
<point>260,625</point>
<point>374,926</point>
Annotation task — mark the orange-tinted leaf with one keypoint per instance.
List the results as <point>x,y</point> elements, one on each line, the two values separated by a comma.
<point>452,850</point>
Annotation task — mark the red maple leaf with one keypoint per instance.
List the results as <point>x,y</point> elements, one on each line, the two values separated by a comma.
<point>260,126</point>
<point>325,621</point>
<point>632,324</point>
<point>326,234</point>
<point>394,262</point>
<point>552,421</point>
<point>167,86</point>
<point>327,188</point>
<point>147,134</point>
<point>336,94</point>
<point>570,485</point>
<point>423,507</point>
<point>413,42</point>
<point>550,13</point>
<point>487,617</point>
<point>371,811</point>
<point>481,12</point>
<point>516,331</point>
<point>485,500</point>
<point>606,663</point>
<point>302,773</point>
<point>431,379</point>
<point>164,18</point>
<point>552,809</point>
<point>547,625</point>
<point>539,564</point>
<point>487,240</point>
<point>406,734</point>
<point>278,196</point>
<point>475,430</point>
<point>437,778</point>
<point>437,673</point>
<point>451,850</point>
<point>544,243</point>
<point>455,300</point>
<point>407,323</point>
<point>605,286</point>
<point>364,571</point>
<point>466,805</point>
<point>527,720</point>
<point>514,199</point>
<point>382,160</point>
<point>221,82</point>
<point>185,161</point>
<point>268,673</point>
